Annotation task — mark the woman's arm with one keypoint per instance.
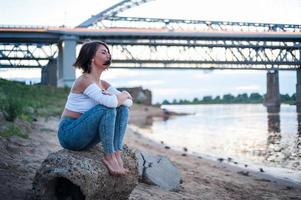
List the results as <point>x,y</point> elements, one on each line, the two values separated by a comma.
<point>87,86</point>
<point>94,92</point>
<point>128,101</point>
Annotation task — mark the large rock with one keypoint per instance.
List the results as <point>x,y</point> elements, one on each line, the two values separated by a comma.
<point>158,170</point>
<point>82,175</point>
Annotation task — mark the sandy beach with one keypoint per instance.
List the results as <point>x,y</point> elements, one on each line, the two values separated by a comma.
<point>202,178</point>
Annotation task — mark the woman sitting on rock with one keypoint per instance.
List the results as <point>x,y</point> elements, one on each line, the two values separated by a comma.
<point>95,111</point>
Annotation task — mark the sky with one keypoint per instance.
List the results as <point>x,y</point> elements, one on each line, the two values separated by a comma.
<point>169,84</point>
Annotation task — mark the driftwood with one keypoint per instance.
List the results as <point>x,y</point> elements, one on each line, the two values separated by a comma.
<point>82,175</point>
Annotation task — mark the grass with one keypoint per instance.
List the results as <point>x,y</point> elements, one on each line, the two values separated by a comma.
<point>27,102</point>
<point>12,130</point>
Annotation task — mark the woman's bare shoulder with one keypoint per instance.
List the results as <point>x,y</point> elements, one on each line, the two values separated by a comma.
<point>81,83</point>
<point>105,84</point>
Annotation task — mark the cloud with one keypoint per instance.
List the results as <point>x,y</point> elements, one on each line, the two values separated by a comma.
<point>126,73</point>
<point>20,73</point>
<point>248,88</point>
<point>241,71</point>
<point>145,82</point>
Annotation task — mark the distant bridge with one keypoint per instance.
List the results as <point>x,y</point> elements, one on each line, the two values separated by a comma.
<point>153,48</point>
<point>155,43</point>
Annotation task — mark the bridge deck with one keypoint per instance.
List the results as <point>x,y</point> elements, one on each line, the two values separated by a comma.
<point>52,34</point>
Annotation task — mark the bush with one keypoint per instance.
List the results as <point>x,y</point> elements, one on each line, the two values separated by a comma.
<point>12,108</point>
<point>13,130</point>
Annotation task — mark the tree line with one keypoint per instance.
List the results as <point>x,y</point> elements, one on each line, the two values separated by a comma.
<point>231,99</point>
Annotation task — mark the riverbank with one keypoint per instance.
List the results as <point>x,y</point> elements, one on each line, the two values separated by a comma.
<point>202,178</point>
<point>208,179</point>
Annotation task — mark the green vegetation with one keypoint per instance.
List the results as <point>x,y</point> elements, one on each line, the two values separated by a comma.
<point>27,102</point>
<point>253,98</point>
<point>11,130</point>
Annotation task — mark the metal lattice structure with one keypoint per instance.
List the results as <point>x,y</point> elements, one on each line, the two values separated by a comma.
<point>26,55</point>
<point>112,11</point>
<point>195,25</point>
<point>207,55</point>
<point>109,18</point>
<point>162,43</point>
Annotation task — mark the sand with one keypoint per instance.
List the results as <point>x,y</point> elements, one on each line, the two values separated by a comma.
<point>202,178</point>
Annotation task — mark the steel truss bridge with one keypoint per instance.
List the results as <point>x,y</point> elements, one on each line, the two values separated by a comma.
<point>160,43</point>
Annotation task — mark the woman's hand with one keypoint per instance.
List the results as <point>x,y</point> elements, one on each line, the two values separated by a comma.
<point>129,96</point>
<point>122,97</point>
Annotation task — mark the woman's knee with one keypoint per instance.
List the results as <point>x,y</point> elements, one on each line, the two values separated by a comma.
<point>104,109</point>
<point>109,112</point>
<point>124,110</point>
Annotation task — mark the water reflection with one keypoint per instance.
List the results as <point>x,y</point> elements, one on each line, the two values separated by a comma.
<point>299,124</point>
<point>295,158</point>
<point>277,153</point>
<point>273,123</point>
<point>274,150</point>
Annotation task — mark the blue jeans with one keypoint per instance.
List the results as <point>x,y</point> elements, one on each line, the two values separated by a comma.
<point>99,124</point>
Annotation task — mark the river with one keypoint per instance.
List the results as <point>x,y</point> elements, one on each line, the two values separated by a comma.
<point>241,134</point>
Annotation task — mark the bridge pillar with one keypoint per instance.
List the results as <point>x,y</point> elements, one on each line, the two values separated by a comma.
<point>272,98</point>
<point>49,73</point>
<point>298,91</point>
<point>66,57</point>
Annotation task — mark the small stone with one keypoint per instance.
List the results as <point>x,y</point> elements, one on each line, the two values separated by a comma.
<point>244,173</point>
<point>289,187</point>
<point>220,159</point>
<point>261,170</point>
<point>167,147</point>
<point>184,154</point>
<point>158,170</point>
<point>185,149</point>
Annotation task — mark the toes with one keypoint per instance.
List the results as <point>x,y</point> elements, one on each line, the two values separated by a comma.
<point>126,170</point>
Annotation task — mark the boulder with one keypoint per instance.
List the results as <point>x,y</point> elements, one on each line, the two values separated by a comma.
<point>79,175</point>
<point>158,170</point>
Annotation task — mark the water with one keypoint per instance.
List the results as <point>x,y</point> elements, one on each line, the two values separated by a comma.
<point>245,133</point>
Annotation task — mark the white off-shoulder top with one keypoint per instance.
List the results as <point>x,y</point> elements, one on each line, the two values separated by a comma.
<point>93,95</point>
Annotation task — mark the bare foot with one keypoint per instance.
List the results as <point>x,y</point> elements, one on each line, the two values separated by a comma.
<point>112,165</point>
<point>120,162</point>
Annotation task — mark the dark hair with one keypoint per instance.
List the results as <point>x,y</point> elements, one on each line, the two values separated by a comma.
<point>86,53</point>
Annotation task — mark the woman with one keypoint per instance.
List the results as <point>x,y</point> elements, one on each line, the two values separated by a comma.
<point>95,111</point>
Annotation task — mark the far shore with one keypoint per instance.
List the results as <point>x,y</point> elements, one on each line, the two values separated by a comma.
<point>239,103</point>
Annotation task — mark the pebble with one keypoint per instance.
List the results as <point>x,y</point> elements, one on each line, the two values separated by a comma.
<point>244,173</point>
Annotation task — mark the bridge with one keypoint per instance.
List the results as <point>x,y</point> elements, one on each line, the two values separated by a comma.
<point>155,43</point>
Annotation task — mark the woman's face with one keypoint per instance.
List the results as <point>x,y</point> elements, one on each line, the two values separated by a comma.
<point>102,57</point>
